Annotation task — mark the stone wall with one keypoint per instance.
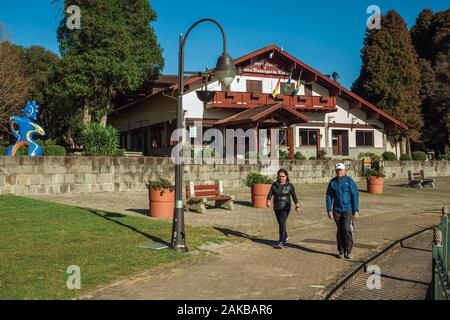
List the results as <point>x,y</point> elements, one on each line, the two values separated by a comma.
<point>53,175</point>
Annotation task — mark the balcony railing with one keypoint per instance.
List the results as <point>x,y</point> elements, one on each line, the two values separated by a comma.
<point>247,100</point>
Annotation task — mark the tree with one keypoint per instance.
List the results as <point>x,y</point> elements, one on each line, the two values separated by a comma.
<point>390,76</point>
<point>431,38</point>
<point>13,84</point>
<point>335,76</point>
<point>115,51</point>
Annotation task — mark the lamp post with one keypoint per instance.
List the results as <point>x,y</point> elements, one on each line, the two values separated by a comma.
<point>225,72</point>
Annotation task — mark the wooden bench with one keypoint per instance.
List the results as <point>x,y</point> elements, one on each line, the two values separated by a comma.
<point>418,180</point>
<point>198,195</point>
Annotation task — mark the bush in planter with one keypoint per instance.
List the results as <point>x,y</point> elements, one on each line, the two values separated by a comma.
<point>255,177</point>
<point>419,155</point>
<point>260,187</point>
<point>299,156</point>
<point>405,157</point>
<point>446,156</point>
<point>373,156</point>
<point>160,184</point>
<point>389,156</point>
<point>373,173</point>
<point>312,158</point>
<point>3,150</point>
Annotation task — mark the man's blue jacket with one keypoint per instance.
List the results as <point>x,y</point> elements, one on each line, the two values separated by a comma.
<point>342,195</point>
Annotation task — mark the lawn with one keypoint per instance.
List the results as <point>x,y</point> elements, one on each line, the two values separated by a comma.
<point>39,240</point>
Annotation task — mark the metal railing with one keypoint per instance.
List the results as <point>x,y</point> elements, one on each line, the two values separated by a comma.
<point>441,257</point>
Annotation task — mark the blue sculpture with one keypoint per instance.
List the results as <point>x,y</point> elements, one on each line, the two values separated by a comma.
<point>24,129</point>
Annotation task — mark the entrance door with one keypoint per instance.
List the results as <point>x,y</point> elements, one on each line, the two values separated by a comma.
<point>340,142</point>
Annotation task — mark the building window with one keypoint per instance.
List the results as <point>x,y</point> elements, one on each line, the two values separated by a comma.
<point>308,138</point>
<point>364,139</point>
<point>156,136</point>
<point>254,86</point>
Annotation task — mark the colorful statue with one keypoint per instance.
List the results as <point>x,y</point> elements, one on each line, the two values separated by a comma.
<point>24,129</point>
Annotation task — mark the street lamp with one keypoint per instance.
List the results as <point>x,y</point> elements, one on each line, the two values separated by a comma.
<point>225,72</point>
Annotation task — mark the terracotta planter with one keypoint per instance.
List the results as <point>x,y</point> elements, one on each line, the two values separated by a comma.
<point>375,185</point>
<point>161,203</point>
<point>259,195</point>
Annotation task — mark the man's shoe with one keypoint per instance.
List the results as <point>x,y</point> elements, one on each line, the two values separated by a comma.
<point>341,256</point>
<point>285,241</point>
<point>279,245</point>
<point>348,256</point>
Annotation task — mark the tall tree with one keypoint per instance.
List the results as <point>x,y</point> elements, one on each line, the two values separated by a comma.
<point>13,83</point>
<point>390,76</point>
<point>431,38</point>
<point>114,51</point>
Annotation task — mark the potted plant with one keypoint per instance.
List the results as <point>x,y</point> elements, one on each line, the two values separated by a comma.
<point>375,180</point>
<point>161,196</point>
<point>260,187</point>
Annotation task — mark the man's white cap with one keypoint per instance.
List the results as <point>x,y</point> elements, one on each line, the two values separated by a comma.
<point>340,166</point>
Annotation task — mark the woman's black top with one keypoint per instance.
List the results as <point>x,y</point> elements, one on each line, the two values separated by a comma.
<point>282,195</point>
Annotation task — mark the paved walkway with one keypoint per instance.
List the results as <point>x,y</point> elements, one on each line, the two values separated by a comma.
<point>405,274</point>
<point>252,269</point>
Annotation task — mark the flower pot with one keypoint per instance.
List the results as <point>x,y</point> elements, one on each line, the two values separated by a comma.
<point>259,195</point>
<point>375,185</point>
<point>161,203</point>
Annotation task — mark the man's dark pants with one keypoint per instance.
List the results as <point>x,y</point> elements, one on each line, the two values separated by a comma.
<point>345,231</point>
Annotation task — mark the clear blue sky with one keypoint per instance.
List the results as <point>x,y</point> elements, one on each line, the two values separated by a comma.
<point>327,34</point>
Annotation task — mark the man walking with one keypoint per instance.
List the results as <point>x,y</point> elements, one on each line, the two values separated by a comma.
<point>342,202</point>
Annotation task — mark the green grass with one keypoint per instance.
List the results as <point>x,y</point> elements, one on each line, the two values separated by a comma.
<point>39,240</point>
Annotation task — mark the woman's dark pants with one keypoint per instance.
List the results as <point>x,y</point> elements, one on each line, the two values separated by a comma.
<point>282,216</point>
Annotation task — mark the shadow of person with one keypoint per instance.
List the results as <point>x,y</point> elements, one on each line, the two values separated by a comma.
<point>110,215</point>
<point>271,243</point>
<point>144,212</point>
<point>243,203</point>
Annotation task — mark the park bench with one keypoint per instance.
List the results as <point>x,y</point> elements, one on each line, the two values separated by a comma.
<point>198,195</point>
<point>418,180</point>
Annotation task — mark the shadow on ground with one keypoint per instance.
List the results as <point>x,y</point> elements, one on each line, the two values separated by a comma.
<point>110,215</point>
<point>271,243</point>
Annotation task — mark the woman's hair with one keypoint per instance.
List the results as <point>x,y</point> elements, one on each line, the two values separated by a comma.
<point>285,172</point>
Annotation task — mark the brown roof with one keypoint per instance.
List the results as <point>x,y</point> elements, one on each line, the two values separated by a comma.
<point>279,111</point>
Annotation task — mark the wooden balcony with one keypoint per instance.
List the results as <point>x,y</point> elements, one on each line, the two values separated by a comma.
<point>247,100</point>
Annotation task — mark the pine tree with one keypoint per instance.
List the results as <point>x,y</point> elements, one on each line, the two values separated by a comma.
<point>115,51</point>
<point>390,76</point>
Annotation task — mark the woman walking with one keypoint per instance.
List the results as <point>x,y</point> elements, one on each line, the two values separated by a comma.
<point>282,191</point>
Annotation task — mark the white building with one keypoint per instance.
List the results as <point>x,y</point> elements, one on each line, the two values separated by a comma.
<point>322,118</point>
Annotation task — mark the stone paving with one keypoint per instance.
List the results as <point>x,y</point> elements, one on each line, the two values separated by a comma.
<point>251,268</point>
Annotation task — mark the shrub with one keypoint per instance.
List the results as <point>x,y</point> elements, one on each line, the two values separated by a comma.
<point>405,157</point>
<point>55,150</point>
<point>120,152</point>
<point>389,156</point>
<point>3,150</point>
<point>98,140</point>
<point>446,156</point>
<point>160,184</point>
<point>283,154</point>
<point>419,155</point>
<point>23,151</point>
<point>255,177</point>
<point>373,156</point>
<point>312,158</point>
<point>299,156</point>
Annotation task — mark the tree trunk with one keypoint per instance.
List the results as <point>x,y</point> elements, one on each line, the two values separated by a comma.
<point>402,147</point>
<point>408,146</point>
<point>86,114</point>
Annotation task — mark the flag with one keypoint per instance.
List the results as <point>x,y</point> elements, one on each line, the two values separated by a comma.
<point>299,84</point>
<point>287,86</point>
<point>277,88</point>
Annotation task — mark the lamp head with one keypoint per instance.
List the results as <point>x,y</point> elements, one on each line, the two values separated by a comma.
<point>225,70</point>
